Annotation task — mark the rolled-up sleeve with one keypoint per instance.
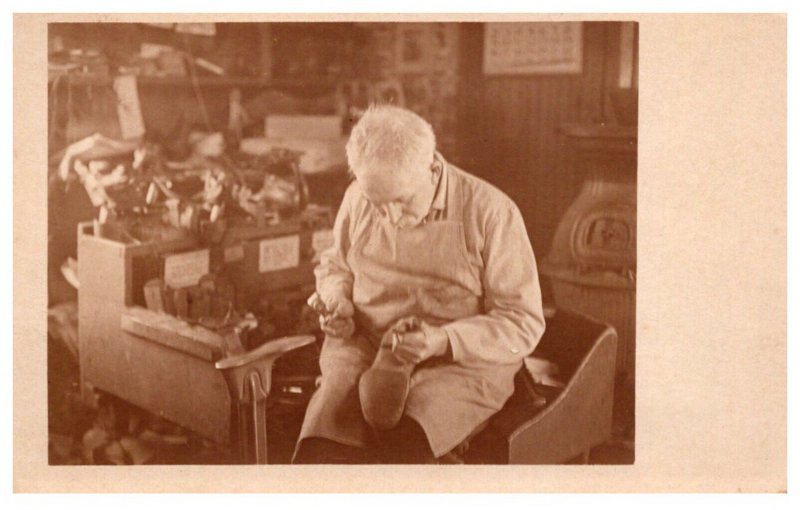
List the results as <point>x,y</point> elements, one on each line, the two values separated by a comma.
<point>513,321</point>
<point>333,274</point>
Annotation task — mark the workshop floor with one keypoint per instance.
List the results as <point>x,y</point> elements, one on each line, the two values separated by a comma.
<point>108,431</point>
<point>104,431</point>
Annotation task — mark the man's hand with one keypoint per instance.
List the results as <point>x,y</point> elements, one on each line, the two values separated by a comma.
<point>332,325</point>
<point>420,343</point>
<point>335,314</point>
<point>339,306</point>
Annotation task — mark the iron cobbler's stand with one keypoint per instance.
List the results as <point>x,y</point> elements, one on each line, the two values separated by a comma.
<point>249,378</point>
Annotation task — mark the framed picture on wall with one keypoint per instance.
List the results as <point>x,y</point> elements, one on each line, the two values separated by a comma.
<point>533,48</point>
<point>413,47</point>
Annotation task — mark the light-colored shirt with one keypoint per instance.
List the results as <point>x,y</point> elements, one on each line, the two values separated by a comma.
<point>512,321</point>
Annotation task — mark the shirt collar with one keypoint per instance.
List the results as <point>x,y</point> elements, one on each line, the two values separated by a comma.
<point>440,198</point>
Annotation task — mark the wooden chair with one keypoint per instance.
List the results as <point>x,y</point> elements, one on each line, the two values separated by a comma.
<point>190,381</point>
<point>544,425</point>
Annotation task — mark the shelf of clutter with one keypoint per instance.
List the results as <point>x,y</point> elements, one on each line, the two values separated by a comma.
<point>86,79</point>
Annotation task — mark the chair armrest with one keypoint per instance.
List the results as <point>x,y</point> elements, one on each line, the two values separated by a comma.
<point>574,418</point>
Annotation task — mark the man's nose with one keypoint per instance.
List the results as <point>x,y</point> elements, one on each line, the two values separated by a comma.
<point>394,211</point>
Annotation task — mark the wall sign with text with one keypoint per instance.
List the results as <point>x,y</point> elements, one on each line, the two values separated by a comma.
<point>278,253</point>
<point>533,48</point>
<point>185,269</point>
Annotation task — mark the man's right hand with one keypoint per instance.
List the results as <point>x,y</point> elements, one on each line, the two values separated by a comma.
<point>338,306</point>
<point>342,327</point>
<point>336,314</point>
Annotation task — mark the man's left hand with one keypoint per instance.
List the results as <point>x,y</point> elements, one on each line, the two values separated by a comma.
<point>418,345</point>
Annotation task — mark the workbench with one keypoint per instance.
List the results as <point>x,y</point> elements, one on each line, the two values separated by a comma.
<point>161,363</point>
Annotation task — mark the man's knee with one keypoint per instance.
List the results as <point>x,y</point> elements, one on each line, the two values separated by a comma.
<point>318,450</point>
<point>406,443</point>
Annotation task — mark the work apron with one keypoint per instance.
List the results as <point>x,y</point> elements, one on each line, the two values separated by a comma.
<point>423,271</point>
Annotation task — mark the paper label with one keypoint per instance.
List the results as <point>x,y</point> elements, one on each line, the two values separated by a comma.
<point>279,253</point>
<point>185,269</point>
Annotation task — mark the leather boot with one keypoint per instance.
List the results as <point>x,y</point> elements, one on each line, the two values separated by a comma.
<point>383,388</point>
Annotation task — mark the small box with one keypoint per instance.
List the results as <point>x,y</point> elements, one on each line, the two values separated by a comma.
<point>318,127</point>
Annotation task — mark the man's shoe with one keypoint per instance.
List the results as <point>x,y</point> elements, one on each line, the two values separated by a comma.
<point>383,388</point>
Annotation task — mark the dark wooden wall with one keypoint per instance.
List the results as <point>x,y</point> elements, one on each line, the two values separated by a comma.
<point>508,125</point>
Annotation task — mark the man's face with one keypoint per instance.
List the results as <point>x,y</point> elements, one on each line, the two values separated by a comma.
<point>402,197</point>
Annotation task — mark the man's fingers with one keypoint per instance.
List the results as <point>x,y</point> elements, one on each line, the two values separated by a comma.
<point>415,339</point>
<point>406,355</point>
<point>333,331</point>
<point>336,304</point>
<point>340,307</point>
<point>425,327</point>
<point>326,327</point>
<point>410,347</point>
<point>342,327</point>
<point>316,303</point>
<point>417,343</point>
<point>343,309</point>
<point>406,324</point>
<point>347,327</point>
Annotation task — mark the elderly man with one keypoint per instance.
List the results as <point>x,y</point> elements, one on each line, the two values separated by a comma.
<point>418,242</point>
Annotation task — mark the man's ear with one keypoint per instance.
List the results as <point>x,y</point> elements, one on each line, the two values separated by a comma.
<point>436,169</point>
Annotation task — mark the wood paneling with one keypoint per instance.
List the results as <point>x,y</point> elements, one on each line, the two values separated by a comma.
<point>508,127</point>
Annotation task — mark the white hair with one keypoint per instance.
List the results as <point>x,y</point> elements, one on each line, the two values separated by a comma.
<point>392,137</point>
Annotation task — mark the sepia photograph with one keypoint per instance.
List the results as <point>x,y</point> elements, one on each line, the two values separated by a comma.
<point>298,241</point>
<point>254,257</point>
